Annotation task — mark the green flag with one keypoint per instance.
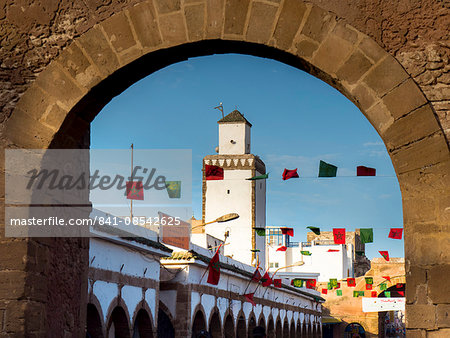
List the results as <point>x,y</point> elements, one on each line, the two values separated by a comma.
<point>173,189</point>
<point>255,250</point>
<point>361,293</point>
<point>329,287</point>
<point>369,280</point>
<point>298,283</point>
<point>316,230</point>
<point>360,253</point>
<point>305,253</point>
<point>260,231</point>
<point>334,282</point>
<point>339,292</point>
<point>387,294</point>
<point>383,286</point>
<point>260,177</point>
<point>327,170</point>
<point>355,294</point>
<point>366,235</point>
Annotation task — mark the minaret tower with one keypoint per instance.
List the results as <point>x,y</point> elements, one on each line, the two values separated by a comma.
<point>236,194</point>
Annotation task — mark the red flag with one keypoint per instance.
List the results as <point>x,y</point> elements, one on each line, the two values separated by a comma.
<point>386,277</point>
<point>338,286</point>
<point>277,283</point>
<point>287,231</point>
<point>385,255</point>
<point>365,171</point>
<point>368,286</point>
<point>214,269</point>
<point>135,190</point>
<point>374,294</point>
<point>351,282</point>
<point>324,291</point>
<point>282,248</point>
<point>266,280</point>
<point>399,285</point>
<point>339,236</point>
<point>333,250</point>
<point>213,172</point>
<point>401,293</point>
<point>396,233</point>
<point>256,275</point>
<point>287,174</point>
<point>310,283</point>
<point>249,298</point>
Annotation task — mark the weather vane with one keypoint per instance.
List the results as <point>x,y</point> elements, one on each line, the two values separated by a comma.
<point>220,107</point>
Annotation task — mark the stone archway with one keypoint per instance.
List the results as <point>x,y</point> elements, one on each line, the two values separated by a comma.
<point>278,329</point>
<point>55,111</point>
<point>118,323</point>
<point>228,328</point>
<point>286,328</point>
<point>270,328</point>
<point>241,327</point>
<point>215,328</point>
<point>165,327</point>
<point>93,322</point>
<point>199,322</point>
<point>292,329</point>
<point>143,324</point>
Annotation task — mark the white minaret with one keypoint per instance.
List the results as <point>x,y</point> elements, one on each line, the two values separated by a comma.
<point>235,194</point>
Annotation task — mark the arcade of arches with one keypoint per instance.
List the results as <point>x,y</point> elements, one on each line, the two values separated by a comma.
<point>63,61</point>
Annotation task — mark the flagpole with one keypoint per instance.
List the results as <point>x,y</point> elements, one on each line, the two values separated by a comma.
<point>131,200</point>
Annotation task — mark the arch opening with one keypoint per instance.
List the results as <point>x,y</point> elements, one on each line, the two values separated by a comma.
<point>215,329</point>
<point>118,323</point>
<point>93,322</point>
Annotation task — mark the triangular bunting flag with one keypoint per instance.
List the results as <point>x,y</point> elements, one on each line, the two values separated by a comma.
<point>256,275</point>
<point>287,231</point>
<point>316,230</point>
<point>173,189</point>
<point>366,235</point>
<point>365,171</point>
<point>305,253</point>
<point>386,277</point>
<point>135,190</point>
<point>361,293</point>
<point>213,172</point>
<point>396,233</point>
<point>214,269</point>
<point>339,235</point>
<point>401,293</point>
<point>327,170</point>
<point>287,174</point>
<point>332,250</point>
<point>282,248</point>
<point>351,282</point>
<point>385,255</point>
<point>356,294</point>
<point>260,231</point>
<point>338,292</point>
<point>338,286</point>
<point>266,280</point>
<point>277,282</point>
<point>249,298</point>
<point>260,177</point>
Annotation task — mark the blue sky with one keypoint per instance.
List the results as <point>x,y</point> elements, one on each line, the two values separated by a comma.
<point>297,121</point>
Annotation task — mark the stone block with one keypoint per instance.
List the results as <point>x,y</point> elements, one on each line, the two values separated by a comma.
<point>97,47</point>
<point>26,132</point>
<point>143,19</point>
<point>364,97</point>
<point>289,21</point>
<point>441,333</point>
<point>332,53</point>
<point>404,98</point>
<point>15,317</point>
<point>428,151</point>
<point>78,66</point>
<point>215,18</point>
<point>318,24</point>
<point>416,333</point>
<point>443,315</point>
<point>118,31</point>
<point>379,117</point>
<point>354,68</point>
<point>262,17</point>
<point>34,102</point>
<point>369,47</point>
<point>427,249</point>
<point>173,29</point>
<point>405,130</point>
<point>13,254</point>
<point>54,117</point>
<point>420,316</point>
<point>306,48</point>
<point>195,21</point>
<point>385,76</point>
<point>12,284</point>
<point>235,16</point>
<point>438,285</point>
<point>419,210</point>
<point>345,32</point>
<point>168,6</point>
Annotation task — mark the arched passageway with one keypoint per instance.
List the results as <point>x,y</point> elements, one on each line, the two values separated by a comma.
<point>299,329</point>
<point>292,329</point>
<point>286,329</point>
<point>270,328</point>
<point>262,322</point>
<point>229,327</point>
<point>304,330</point>
<point>142,325</point>
<point>215,329</point>
<point>251,325</point>
<point>279,329</point>
<point>118,324</point>
<point>93,322</point>
<point>165,326</point>
<point>199,323</point>
<point>241,330</point>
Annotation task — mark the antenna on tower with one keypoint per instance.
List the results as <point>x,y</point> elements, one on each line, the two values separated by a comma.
<point>220,107</point>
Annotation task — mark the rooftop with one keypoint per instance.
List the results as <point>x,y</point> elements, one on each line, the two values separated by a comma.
<point>234,116</point>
